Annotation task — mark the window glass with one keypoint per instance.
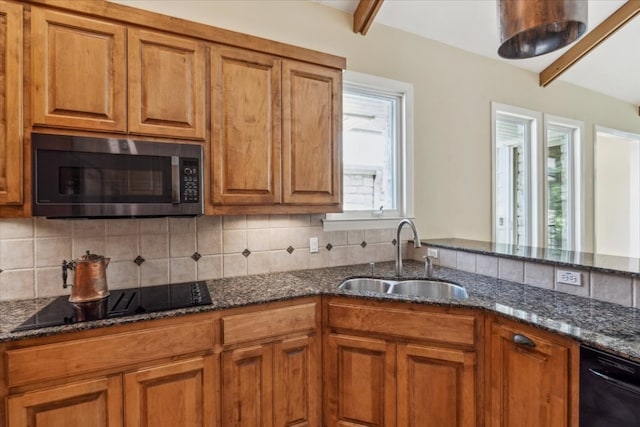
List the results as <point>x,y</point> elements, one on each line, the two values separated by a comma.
<point>559,186</point>
<point>370,150</point>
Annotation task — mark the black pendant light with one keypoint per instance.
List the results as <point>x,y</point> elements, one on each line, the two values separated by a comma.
<point>531,28</point>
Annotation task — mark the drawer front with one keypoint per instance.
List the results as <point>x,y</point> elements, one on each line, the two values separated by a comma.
<point>60,360</point>
<point>449,328</point>
<point>268,323</point>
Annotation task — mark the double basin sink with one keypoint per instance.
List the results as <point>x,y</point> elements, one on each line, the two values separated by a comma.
<point>412,287</point>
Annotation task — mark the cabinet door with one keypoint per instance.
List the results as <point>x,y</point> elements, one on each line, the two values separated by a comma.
<point>11,126</point>
<point>312,132</point>
<point>176,394</point>
<point>529,383</point>
<point>79,72</point>
<point>92,403</point>
<point>296,383</point>
<point>360,382</point>
<point>247,387</point>
<point>436,387</point>
<point>166,85</point>
<point>246,163</point>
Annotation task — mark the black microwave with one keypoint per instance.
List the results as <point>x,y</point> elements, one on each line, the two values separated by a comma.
<point>86,177</point>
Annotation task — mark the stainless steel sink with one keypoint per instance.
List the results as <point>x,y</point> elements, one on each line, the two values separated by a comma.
<point>429,288</point>
<point>415,287</point>
<point>366,284</point>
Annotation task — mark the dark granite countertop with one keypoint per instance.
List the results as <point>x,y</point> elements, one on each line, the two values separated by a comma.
<point>604,325</point>
<point>590,261</point>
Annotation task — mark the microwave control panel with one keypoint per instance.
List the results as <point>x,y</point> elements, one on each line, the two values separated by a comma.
<point>190,191</point>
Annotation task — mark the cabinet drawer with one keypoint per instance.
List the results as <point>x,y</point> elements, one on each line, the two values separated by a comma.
<point>450,328</point>
<point>59,360</point>
<point>268,323</point>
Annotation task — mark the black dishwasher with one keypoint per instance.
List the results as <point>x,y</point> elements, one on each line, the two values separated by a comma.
<point>609,390</point>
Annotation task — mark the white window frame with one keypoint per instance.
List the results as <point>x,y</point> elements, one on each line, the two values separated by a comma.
<point>533,154</point>
<point>575,201</point>
<point>355,220</point>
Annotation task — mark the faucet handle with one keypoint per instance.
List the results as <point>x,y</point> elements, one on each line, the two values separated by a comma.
<point>372,266</point>
<point>427,265</point>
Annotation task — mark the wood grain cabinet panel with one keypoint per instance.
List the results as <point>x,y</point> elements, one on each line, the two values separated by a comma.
<point>297,384</point>
<point>246,128</point>
<point>11,126</point>
<point>79,72</point>
<point>166,85</point>
<point>312,126</point>
<point>91,403</point>
<point>436,387</point>
<point>247,387</point>
<point>361,382</point>
<point>530,381</point>
<point>176,394</point>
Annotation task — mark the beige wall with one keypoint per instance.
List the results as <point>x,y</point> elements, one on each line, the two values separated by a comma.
<point>453,91</point>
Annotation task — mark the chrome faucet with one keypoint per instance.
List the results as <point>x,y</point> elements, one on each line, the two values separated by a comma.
<point>416,243</point>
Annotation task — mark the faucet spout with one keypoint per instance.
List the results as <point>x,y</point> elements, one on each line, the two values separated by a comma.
<point>416,243</point>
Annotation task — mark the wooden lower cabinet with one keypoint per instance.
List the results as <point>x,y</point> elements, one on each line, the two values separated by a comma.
<point>533,377</point>
<point>435,386</point>
<point>361,381</point>
<point>91,403</point>
<point>389,366</point>
<point>274,384</point>
<point>174,394</point>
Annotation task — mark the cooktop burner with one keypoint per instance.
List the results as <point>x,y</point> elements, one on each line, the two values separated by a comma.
<point>121,302</point>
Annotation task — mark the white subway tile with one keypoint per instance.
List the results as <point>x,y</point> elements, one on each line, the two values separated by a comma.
<point>16,228</point>
<point>123,274</point>
<point>51,251</point>
<point>612,288</point>
<point>154,272</point>
<point>539,275</point>
<point>259,263</point>
<point>209,242</point>
<point>48,282</point>
<point>16,254</point>
<point>121,227</point>
<point>182,225</point>
<point>487,265</point>
<point>258,240</point>
<point>511,269</point>
<point>466,262</point>
<point>234,265</point>
<point>52,227</point>
<point>153,226</point>
<point>210,267</point>
<point>182,270</point>
<point>182,245</point>
<point>121,248</point>
<point>234,222</point>
<point>154,246</point>
<point>17,284</point>
<point>234,241</point>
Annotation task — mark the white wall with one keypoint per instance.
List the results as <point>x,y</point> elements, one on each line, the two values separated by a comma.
<point>453,91</point>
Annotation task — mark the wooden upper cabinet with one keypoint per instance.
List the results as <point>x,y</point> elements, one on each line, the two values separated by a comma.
<point>11,126</point>
<point>312,126</point>
<point>166,85</point>
<point>530,375</point>
<point>79,72</point>
<point>245,152</point>
<point>90,403</point>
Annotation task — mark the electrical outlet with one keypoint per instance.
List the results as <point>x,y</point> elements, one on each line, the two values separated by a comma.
<point>569,277</point>
<point>313,245</point>
<point>432,253</point>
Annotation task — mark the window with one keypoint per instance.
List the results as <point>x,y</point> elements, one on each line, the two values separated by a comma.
<point>376,153</point>
<point>515,138</point>
<point>536,179</point>
<point>562,171</point>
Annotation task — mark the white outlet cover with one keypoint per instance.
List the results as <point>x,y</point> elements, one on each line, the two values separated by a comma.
<point>432,252</point>
<point>313,245</point>
<point>568,277</point>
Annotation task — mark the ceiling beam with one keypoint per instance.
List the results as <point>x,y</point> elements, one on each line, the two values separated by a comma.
<point>365,14</point>
<point>592,39</point>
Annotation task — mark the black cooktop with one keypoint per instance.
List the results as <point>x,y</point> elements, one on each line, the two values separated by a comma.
<point>121,302</point>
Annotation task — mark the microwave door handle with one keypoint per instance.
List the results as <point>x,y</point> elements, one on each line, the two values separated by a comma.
<point>175,179</point>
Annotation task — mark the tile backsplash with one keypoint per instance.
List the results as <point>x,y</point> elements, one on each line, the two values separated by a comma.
<point>154,251</point>
<point>616,288</point>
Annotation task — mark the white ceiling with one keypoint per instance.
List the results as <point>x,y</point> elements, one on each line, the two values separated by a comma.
<point>613,68</point>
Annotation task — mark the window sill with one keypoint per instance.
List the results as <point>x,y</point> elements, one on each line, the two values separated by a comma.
<point>360,223</point>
